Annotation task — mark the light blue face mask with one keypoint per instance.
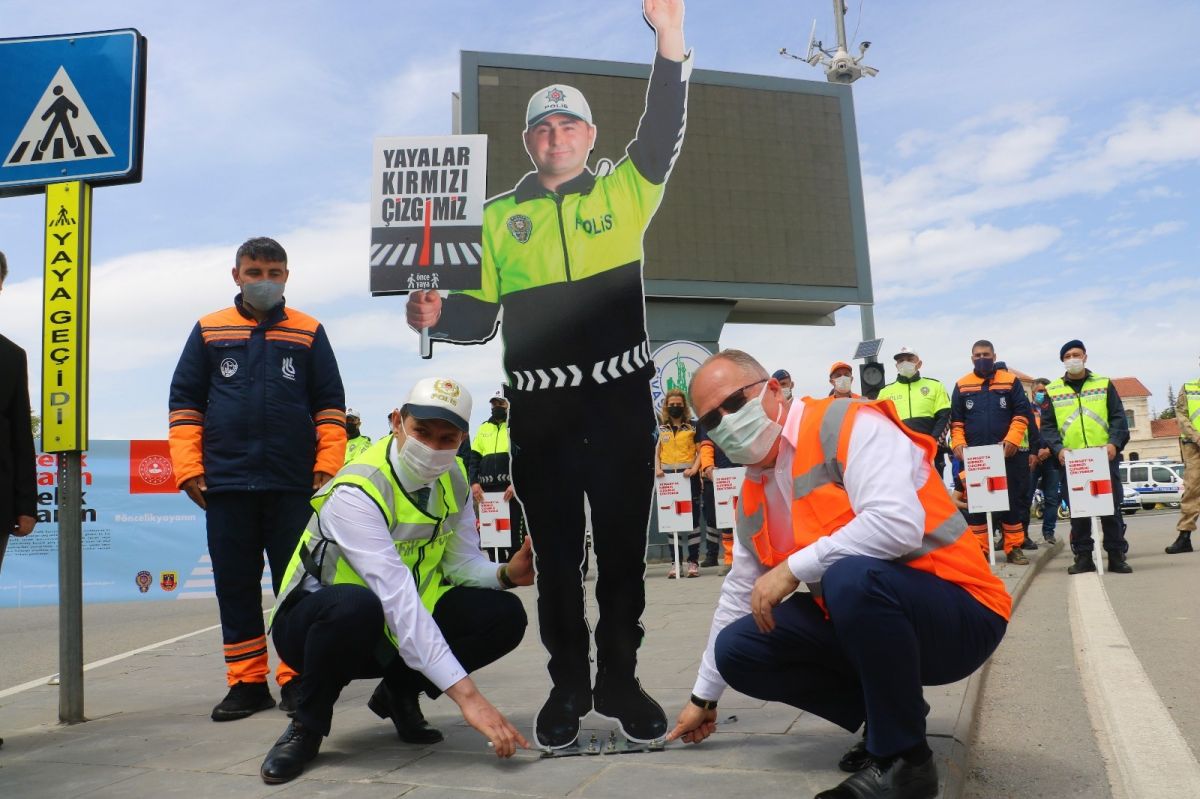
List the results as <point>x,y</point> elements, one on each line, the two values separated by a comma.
<point>747,436</point>
<point>263,295</point>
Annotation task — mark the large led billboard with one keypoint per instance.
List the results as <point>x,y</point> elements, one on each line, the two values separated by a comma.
<point>764,206</point>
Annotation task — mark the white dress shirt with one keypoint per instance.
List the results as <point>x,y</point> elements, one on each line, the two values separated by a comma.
<point>884,470</point>
<point>357,526</point>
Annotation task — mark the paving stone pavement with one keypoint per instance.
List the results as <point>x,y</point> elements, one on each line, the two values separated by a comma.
<point>150,735</point>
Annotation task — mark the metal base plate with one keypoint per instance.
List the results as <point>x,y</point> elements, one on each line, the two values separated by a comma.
<point>604,742</point>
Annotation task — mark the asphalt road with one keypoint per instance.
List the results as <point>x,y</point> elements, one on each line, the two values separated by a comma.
<point>1036,734</point>
<point>29,636</point>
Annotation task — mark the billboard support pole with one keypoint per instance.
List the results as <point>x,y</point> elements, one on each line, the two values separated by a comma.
<point>70,588</point>
<point>866,314</point>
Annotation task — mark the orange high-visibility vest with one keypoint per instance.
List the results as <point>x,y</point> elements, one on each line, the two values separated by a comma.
<point>821,506</point>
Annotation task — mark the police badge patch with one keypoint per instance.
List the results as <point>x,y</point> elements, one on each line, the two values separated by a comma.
<point>924,391</point>
<point>520,226</point>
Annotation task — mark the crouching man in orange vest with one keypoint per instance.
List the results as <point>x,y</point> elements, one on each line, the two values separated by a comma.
<point>840,495</point>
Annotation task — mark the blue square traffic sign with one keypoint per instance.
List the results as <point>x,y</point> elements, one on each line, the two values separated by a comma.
<point>72,107</point>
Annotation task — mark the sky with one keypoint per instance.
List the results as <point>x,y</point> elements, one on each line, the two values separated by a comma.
<point>1031,174</point>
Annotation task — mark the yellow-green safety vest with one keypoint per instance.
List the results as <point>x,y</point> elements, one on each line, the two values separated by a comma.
<point>491,439</point>
<point>920,399</point>
<point>420,536</point>
<point>1192,392</point>
<point>356,447</point>
<point>1082,419</point>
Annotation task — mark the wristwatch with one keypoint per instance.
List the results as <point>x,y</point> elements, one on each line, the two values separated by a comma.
<point>704,704</point>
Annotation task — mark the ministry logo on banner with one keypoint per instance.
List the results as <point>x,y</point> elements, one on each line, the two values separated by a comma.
<point>674,365</point>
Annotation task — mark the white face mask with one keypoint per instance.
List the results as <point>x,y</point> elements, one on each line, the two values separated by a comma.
<point>1074,365</point>
<point>747,436</point>
<point>906,368</point>
<point>842,384</point>
<point>787,393</point>
<point>423,462</point>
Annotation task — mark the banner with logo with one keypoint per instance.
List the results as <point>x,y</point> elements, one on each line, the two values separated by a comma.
<point>674,364</point>
<point>142,539</point>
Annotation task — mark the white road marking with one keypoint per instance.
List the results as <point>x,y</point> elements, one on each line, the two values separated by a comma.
<point>16,689</point>
<point>1146,754</point>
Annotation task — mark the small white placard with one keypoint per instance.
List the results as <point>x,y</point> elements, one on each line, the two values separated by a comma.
<point>495,525</point>
<point>727,485</point>
<point>987,485</point>
<point>1089,482</point>
<point>674,502</point>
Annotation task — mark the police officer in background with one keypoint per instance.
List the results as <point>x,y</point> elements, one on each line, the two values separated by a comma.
<point>356,442</point>
<point>922,402</point>
<point>1085,411</point>
<point>489,465</point>
<point>1187,412</point>
<point>562,255</point>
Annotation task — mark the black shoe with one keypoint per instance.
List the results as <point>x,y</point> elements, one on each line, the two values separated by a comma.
<point>244,699</point>
<point>1083,563</point>
<point>1118,564</point>
<point>557,723</point>
<point>1050,540</point>
<point>1183,543</point>
<point>1029,544</point>
<point>641,718</point>
<point>708,562</point>
<point>287,697</point>
<point>856,758</point>
<point>285,761</point>
<point>891,778</point>
<point>404,710</point>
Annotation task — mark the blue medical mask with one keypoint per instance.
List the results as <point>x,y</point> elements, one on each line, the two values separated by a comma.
<point>747,436</point>
<point>263,295</point>
<point>1039,397</point>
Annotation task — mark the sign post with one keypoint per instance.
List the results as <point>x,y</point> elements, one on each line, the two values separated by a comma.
<point>987,486</point>
<point>72,115</point>
<point>1090,492</point>
<point>495,523</point>
<point>674,492</point>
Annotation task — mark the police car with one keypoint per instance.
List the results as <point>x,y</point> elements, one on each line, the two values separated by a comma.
<point>1151,482</point>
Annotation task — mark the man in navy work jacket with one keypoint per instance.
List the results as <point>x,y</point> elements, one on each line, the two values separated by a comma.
<point>258,422</point>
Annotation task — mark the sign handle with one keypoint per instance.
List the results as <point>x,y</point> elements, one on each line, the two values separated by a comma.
<point>991,541</point>
<point>675,555</point>
<point>426,344</point>
<point>1097,551</point>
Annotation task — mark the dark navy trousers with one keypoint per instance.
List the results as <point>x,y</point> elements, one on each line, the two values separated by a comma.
<point>891,629</point>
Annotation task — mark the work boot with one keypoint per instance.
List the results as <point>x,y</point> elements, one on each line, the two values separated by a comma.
<point>244,699</point>
<point>1118,564</point>
<point>404,709</point>
<point>641,718</point>
<point>1049,539</point>
<point>888,778</point>
<point>557,723</point>
<point>708,562</point>
<point>287,696</point>
<point>1183,543</point>
<point>1017,557</point>
<point>1029,545</point>
<point>286,759</point>
<point>1083,563</point>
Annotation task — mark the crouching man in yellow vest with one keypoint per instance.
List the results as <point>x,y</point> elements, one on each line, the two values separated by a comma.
<point>840,495</point>
<point>388,581</point>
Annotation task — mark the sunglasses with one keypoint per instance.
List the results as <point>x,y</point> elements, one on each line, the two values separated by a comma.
<point>731,404</point>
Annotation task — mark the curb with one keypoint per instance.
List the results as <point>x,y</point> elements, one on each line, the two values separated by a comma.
<point>964,727</point>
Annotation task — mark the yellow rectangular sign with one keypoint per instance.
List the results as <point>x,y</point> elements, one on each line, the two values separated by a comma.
<point>65,317</point>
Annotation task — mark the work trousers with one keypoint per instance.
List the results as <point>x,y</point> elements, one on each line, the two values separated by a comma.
<point>891,629</point>
<point>1189,503</point>
<point>1049,475</point>
<point>598,441</point>
<point>336,635</point>
<point>1112,526</point>
<point>241,525</point>
<point>1012,521</point>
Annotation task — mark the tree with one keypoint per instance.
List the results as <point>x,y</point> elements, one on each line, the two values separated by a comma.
<point>1169,411</point>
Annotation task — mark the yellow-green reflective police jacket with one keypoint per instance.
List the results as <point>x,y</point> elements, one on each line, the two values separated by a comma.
<point>420,536</point>
<point>920,399</point>
<point>1192,392</point>
<point>356,447</point>
<point>1082,419</point>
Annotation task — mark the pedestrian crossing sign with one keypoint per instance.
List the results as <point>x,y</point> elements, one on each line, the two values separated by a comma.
<point>72,108</point>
